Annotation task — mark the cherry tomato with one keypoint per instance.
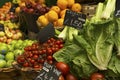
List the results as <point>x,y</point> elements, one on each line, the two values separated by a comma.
<point>63,67</point>
<point>49,58</point>
<point>61,78</point>
<point>70,77</point>
<point>26,64</point>
<point>32,61</point>
<point>97,76</point>
<point>35,57</point>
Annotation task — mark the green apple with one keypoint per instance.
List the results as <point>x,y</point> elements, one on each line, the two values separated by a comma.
<point>3,49</point>
<point>18,52</point>
<point>2,56</point>
<point>9,56</point>
<point>2,63</point>
<point>9,63</point>
<point>2,34</point>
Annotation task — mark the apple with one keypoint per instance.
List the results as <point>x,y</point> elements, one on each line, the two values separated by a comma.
<point>3,49</point>
<point>9,63</point>
<point>2,56</point>
<point>2,63</point>
<point>9,56</point>
<point>2,34</point>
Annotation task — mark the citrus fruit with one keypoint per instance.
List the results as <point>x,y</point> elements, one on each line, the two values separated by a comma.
<point>52,16</point>
<point>60,22</point>
<point>63,12</point>
<point>56,9</point>
<point>62,4</point>
<point>70,2</point>
<point>43,20</point>
<point>17,10</point>
<point>76,7</point>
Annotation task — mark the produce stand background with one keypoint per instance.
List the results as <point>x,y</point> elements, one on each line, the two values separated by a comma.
<point>3,2</point>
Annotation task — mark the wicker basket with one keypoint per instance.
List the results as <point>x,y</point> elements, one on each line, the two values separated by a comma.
<point>26,73</point>
<point>9,74</point>
<point>89,9</point>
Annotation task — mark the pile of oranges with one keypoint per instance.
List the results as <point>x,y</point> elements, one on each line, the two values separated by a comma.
<point>57,13</point>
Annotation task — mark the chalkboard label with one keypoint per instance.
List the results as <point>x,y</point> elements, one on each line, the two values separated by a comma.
<point>1,27</point>
<point>49,72</point>
<point>46,33</point>
<point>117,8</point>
<point>74,19</point>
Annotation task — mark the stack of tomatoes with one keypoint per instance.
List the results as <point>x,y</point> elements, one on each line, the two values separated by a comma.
<point>34,56</point>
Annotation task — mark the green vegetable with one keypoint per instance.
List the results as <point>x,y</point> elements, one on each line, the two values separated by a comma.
<point>97,39</point>
<point>117,36</point>
<point>68,32</point>
<point>3,48</point>
<point>2,63</point>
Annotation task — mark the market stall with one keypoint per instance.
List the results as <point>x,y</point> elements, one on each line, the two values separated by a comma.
<point>59,40</point>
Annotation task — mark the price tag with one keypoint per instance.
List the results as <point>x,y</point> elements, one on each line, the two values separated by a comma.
<point>2,27</point>
<point>49,72</point>
<point>74,19</point>
<point>117,8</point>
<point>46,33</point>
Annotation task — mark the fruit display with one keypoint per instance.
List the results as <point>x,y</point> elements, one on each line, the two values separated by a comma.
<point>32,7</point>
<point>9,52</point>
<point>35,55</point>
<point>57,13</point>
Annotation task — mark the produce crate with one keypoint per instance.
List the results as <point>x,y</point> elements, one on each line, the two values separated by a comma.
<point>89,9</point>
<point>9,74</point>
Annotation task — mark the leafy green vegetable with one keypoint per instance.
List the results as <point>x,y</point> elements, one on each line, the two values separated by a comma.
<point>68,53</point>
<point>117,36</point>
<point>97,39</point>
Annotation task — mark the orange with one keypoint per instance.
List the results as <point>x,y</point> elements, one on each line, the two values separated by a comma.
<point>70,2</point>
<point>60,22</point>
<point>56,9</point>
<point>52,16</point>
<point>62,4</point>
<point>43,20</point>
<point>63,12</point>
<point>17,10</point>
<point>76,7</point>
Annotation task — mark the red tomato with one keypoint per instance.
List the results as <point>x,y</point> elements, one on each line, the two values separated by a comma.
<point>61,78</point>
<point>63,67</point>
<point>70,77</point>
<point>97,76</point>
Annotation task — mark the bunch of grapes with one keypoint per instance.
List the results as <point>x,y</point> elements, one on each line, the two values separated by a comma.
<point>34,56</point>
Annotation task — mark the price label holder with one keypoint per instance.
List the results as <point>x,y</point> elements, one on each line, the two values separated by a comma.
<point>46,33</point>
<point>2,27</point>
<point>117,8</point>
<point>49,72</point>
<point>74,19</point>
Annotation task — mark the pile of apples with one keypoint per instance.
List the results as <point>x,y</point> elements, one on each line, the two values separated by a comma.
<point>9,52</point>
<point>56,13</point>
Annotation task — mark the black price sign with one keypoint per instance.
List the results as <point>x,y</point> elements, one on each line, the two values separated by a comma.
<point>46,33</point>
<point>49,72</point>
<point>117,8</point>
<point>1,27</point>
<point>74,19</point>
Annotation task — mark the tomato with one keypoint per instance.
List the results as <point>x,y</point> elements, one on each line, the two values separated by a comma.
<point>63,67</point>
<point>61,78</point>
<point>35,57</point>
<point>97,76</point>
<point>26,64</point>
<point>70,77</point>
<point>49,58</point>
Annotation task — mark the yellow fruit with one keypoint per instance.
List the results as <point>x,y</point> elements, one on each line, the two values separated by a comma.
<point>17,10</point>
<point>63,12</point>
<point>60,22</point>
<point>52,16</point>
<point>46,15</point>
<point>62,4</point>
<point>76,7</point>
<point>55,23</point>
<point>56,9</point>
<point>70,2</point>
<point>63,16</point>
<point>43,20</point>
